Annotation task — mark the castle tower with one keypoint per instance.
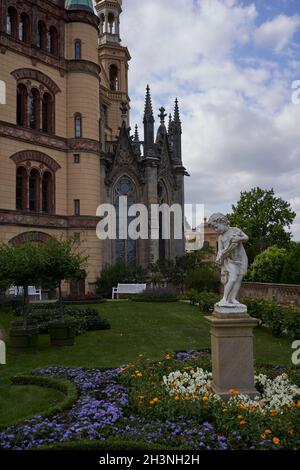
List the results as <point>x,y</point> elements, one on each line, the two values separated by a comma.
<point>114,60</point>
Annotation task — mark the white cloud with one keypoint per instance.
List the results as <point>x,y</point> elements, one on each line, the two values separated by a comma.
<point>240,128</point>
<point>278,32</point>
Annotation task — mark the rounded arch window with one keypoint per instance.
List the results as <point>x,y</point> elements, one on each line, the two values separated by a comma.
<point>34,185</point>
<point>12,22</point>
<point>22,99</point>
<point>24,28</point>
<point>78,126</point>
<point>114,77</point>
<point>111,23</point>
<point>77,49</point>
<point>47,192</point>
<point>34,109</point>
<point>41,40</point>
<point>53,41</point>
<point>47,113</point>
<point>21,188</point>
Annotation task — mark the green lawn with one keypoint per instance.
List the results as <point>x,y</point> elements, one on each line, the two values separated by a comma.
<point>152,329</point>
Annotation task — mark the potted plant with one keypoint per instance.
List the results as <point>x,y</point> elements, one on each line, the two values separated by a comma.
<point>63,262</point>
<point>22,265</point>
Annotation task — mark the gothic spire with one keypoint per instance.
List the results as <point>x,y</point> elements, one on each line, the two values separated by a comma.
<point>136,134</point>
<point>148,124</point>
<point>170,124</point>
<point>148,115</point>
<point>176,113</point>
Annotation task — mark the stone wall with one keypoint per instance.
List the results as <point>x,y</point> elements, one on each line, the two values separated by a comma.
<point>285,294</point>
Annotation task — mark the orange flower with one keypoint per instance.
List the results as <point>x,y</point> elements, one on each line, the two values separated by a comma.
<point>204,398</point>
<point>268,431</point>
<point>151,402</point>
<point>273,413</point>
<point>243,407</point>
<point>264,437</point>
<point>187,397</point>
<point>177,398</point>
<point>252,408</point>
<point>232,391</point>
<point>276,441</point>
<point>243,422</point>
<point>298,404</point>
<point>123,369</point>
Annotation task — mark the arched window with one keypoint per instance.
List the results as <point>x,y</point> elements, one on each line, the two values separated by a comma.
<point>113,78</point>
<point>47,113</point>
<point>102,24</point>
<point>47,192</point>
<point>34,109</point>
<point>12,22</point>
<point>24,28</point>
<point>78,126</point>
<point>53,41</point>
<point>41,40</point>
<point>111,23</point>
<point>22,99</point>
<point>21,188</point>
<point>34,193</point>
<point>125,249</point>
<point>77,49</point>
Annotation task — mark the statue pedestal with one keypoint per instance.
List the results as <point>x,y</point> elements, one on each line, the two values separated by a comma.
<point>232,350</point>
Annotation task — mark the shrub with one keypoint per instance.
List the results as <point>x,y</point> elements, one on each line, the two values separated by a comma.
<point>163,294</point>
<point>207,301</point>
<point>87,319</point>
<point>203,278</point>
<point>268,266</point>
<point>119,273</point>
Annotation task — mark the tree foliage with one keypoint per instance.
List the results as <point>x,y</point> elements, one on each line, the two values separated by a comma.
<point>268,265</point>
<point>291,269</point>
<point>265,218</point>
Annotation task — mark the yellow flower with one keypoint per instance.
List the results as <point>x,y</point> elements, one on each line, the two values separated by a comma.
<point>204,398</point>
<point>168,357</point>
<point>123,369</point>
<point>155,400</point>
<point>243,421</point>
<point>141,398</point>
<point>268,431</point>
<point>276,440</point>
<point>151,402</point>
<point>243,407</point>
<point>139,374</point>
<point>177,398</point>
<point>141,355</point>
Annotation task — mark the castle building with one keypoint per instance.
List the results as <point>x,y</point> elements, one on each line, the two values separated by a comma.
<point>65,140</point>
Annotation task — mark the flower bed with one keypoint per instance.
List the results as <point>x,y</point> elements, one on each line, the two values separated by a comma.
<point>167,404</point>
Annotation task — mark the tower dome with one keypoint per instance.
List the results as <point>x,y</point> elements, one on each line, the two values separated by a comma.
<point>80,5</point>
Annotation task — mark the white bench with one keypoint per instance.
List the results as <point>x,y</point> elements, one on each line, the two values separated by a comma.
<point>14,291</point>
<point>128,289</point>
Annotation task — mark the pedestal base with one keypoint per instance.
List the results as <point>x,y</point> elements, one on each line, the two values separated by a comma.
<point>232,352</point>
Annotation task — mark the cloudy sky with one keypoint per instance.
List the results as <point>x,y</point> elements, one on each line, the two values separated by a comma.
<point>232,64</point>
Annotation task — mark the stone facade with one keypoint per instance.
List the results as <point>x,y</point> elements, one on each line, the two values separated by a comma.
<point>65,144</point>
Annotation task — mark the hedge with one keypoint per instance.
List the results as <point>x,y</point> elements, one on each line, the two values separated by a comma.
<point>157,295</point>
<point>67,388</point>
<point>278,318</point>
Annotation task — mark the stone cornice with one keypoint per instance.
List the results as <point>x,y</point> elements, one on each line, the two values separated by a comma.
<point>31,136</point>
<point>46,221</point>
<point>84,66</point>
<point>81,16</point>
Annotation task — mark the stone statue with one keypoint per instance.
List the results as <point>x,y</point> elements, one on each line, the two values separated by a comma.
<point>232,258</point>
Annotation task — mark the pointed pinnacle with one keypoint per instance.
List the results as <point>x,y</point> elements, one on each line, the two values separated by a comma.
<point>170,124</point>
<point>176,112</point>
<point>148,106</point>
<point>136,134</point>
<point>162,115</point>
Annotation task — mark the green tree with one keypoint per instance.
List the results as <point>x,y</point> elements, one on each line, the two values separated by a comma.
<point>268,266</point>
<point>265,218</point>
<point>22,265</point>
<point>118,273</point>
<point>63,262</point>
<point>291,269</point>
